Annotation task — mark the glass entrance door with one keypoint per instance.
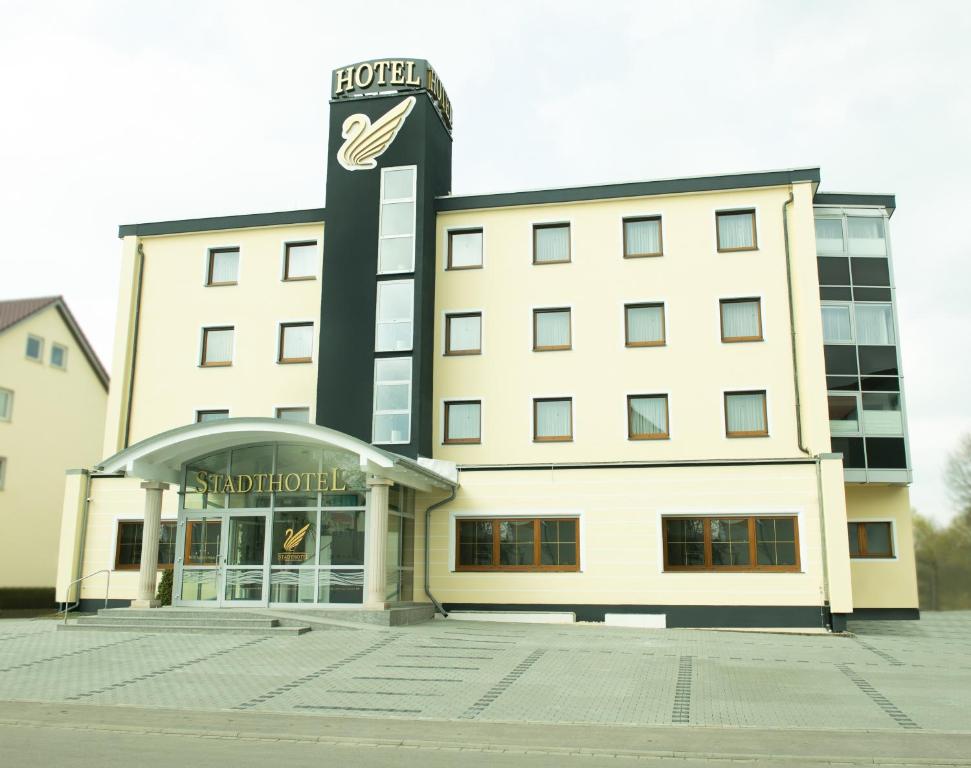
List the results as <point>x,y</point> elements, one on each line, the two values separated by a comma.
<point>244,574</point>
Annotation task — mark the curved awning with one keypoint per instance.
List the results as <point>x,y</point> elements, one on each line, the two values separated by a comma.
<point>161,456</point>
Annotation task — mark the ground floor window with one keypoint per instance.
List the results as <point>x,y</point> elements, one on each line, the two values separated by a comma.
<point>871,539</point>
<point>523,544</point>
<point>736,543</point>
<point>128,549</point>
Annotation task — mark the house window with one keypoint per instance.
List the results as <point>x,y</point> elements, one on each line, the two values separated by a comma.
<point>552,419</point>
<point>35,348</point>
<point>741,320</point>
<point>882,414</point>
<point>6,404</point>
<point>736,230</point>
<point>746,415</point>
<point>731,543</point>
<point>518,544</point>
<point>59,356</point>
<point>395,310</point>
<point>202,416</point>
<point>3,471</point>
<point>392,400</point>
<point>296,342</point>
<point>463,422</point>
<point>300,261</point>
<point>867,236</point>
<point>874,324</point>
<point>844,415</point>
<point>217,346</point>
<point>396,236</point>
<point>551,243</point>
<point>837,324</point>
<point>647,417</point>
<point>644,325</point>
<point>128,550</point>
<point>551,329</point>
<point>223,266</point>
<point>829,236</point>
<point>642,237</point>
<point>300,415</point>
<point>465,249</point>
<point>871,539</point>
<point>463,334</point>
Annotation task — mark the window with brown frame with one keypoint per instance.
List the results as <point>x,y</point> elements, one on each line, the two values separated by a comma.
<point>552,329</point>
<point>464,249</point>
<point>741,319</point>
<point>463,333</point>
<point>217,346</point>
<point>746,414</point>
<point>644,325</point>
<point>300,261</point>
<point>731,543</point>
<point>517,544</point>
<point>871,539</point>
<point>642,237</point>
<point>647,417</point>
<point>296,342</point>
<point>551,243</point>
<point>128,548</point>
<point>223,266</point>
<point>552,419</point>
<point>463,422</point>
<point>736,231</point>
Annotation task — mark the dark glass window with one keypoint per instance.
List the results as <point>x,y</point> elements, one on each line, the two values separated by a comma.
<point>871,294</point>
<point>881,384</point>
<point>730,543</point>
<point>886,453</point>
<point>685,542</point>
<point>840,359</point>
<point>835,294</point>
<point>842,383</point>
<point>833,270</point>
<point>871,539</point>
<point>526,544</point>
<point>870,271</point>
<point>852,450</point>
<point>128,552</point>
<point>878,361</point>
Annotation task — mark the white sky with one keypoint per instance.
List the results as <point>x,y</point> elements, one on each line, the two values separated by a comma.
<point>123,112</point>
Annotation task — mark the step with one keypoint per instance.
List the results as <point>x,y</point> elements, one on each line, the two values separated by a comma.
<point>182,629</point>
<point>187,613</point>
<point>193,621</point>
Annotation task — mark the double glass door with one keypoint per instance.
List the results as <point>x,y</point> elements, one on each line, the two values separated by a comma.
<point>223,557</point>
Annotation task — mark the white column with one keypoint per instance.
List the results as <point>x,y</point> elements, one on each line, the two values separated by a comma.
<point>375,565</point>
<point>148,571</point>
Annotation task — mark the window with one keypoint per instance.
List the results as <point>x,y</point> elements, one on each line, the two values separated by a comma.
<point>736,230</point>
<point>837,324</point>
<point>844,415</point>
<point>217,346</point>
<point>296,342</point>
<point>552,419</point>
<point>396,236</point>
<point>35,348</point>
<point>300,261</point>
<point>59,356</point>
<point>3,471</point>
<point>202,416</point>
<point>642,237</point>
<point>465,249</point>
<point>463,422</point>
<point>647,417</point>
<point>829,236</point>
<point>746,415</point>
<point>881,413</point>
<point>128,551</point>
<point>517,544</point>
<point>741,320</point>
<point>463,334</point>
<point>301,415</point>
<point>551,329</point>
<point>392,400</point>
<point>395,309</point>
<point>874,324</point>
<point>739,543</point>
<point>871,539</point>
<point>867,236</point>
<point>6,404</point>
<point>223,266</point>
<point>644,325</point>
<point>551,243</point>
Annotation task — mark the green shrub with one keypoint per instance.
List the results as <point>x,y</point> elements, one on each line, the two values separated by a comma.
<point>164,595</point>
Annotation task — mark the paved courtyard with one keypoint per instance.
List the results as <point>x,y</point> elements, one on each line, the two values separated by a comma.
<point>900,676</point>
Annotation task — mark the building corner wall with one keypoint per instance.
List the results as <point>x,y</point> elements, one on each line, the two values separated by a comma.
<point>837,546</point>
<point>72,531</point>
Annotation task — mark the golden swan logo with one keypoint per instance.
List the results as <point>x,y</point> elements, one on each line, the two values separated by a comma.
<point>292,540</point>
<point>364,141</point>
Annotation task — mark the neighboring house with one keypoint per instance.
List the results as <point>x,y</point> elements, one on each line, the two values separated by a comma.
<point>53,393</point>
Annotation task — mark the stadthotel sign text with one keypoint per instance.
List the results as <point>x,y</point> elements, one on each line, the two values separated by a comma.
<point>371,77</point>
<point>308,482</point>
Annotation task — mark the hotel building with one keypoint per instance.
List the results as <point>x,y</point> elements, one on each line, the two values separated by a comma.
<point>680,399</point>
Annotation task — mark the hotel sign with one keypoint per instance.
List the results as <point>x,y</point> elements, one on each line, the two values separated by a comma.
<point>391,75</point>
<point>289,482</point>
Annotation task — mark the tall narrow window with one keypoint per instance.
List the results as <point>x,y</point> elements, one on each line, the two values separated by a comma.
<point>465,249</point>
<point>647,417</point>
<point>396,237</point>
<point>736,230</point>
<point>395,307</point>
<point>837,324</point>
<point>644,325</point>
<point>552,420</point>
<point>463,333</point>
<point>3,471</point>
<point>551,329</point>
<point>217,346</point>
<point>874,324</point>
<point>300,261</point>
<point>6,404</point>
<point>463,422</point>
<point>59,356</point>
<point>741,320</point>
<point>392,400</point>
<point>202,416</point>
<point>867,236</point>
<point>296,342</point>
<point>551,243</point>
<point>746,415</point>
<point>642,237</point>
<point>223,266</point>
<point>871,539</point>
<point>299,415</point>
<point>35,348</point>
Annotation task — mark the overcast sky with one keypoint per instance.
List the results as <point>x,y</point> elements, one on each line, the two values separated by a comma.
<point>123,112</point>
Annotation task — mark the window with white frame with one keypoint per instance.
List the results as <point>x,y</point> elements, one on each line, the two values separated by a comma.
<point>866,236</point>
<point>6,404</point>
<point>392,400</point>
<point>395,309</point>
<point>874,324</point>
<point>396,236</point>
<point>59,356</point>
<point>35,348</point>
<point>829,235</point>
<point>837,324</point>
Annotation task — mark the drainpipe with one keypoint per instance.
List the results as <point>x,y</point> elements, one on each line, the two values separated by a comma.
<point>428,515</point>
<point>792,324</point>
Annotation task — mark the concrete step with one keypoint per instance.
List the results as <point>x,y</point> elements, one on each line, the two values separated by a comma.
<point>181,629</point>
<point>172,613</point>
<point>187,621</point>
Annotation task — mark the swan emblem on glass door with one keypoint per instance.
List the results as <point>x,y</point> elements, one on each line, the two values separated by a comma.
<point>364,141</point>
<point>292,540</point>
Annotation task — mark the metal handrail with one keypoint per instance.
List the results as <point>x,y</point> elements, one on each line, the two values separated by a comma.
<point>78,581</point>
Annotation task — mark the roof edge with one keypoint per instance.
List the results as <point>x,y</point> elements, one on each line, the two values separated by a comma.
<point>214,223</point>
<point>883,200</point>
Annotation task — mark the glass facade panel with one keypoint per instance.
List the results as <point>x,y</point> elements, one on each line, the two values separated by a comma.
<point>829,235</point>
<point>844,416</point>
<point>866,235</point>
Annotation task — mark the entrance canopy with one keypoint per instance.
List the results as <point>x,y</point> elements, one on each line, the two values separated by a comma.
<point>161,457</point>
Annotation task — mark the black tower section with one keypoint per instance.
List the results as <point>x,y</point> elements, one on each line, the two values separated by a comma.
<point>345,379</point>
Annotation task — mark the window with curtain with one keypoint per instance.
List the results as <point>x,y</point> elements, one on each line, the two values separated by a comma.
<point>642,237</point>
<point>524,544</point>
<point>392,400</point>
<point>866,235</point>
<point>745,414</point>
<point>647,417</point>
<point>837,324</point>
<point>217,346</point>
<point>463,334</point>
<point>874,324</point>
<point>300,261</point>
<point>552,419</point>
<point>296,342</point>
<point>395,310</point>
<point>871,539</point>
<point>223,266</point>
<point>741,320</point>
<point>551,243</point>
<point>396,230</point>
<point>740,543</point>
<point>736,230</point>
<point>829,235</point>
<point>644,325</point>
<point>465,249</point>
<point>463,421</point>
<point>551,329</point>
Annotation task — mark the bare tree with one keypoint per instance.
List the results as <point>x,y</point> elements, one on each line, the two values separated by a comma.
<point>958,477</point>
